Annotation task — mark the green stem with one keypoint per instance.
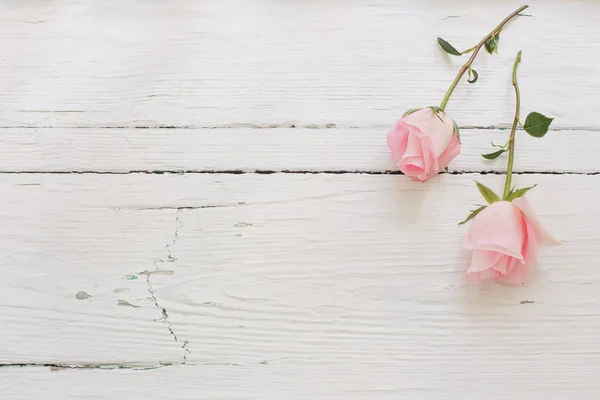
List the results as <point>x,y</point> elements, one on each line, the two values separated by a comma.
<point>511,140</point>
<point>478,47</point>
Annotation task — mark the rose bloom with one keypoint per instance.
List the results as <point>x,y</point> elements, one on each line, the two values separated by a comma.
<point>505,238</point>
<point>422,144</point>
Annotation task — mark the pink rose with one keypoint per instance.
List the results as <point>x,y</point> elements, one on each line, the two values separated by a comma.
<point>505,237</point>
<point>423,143</point>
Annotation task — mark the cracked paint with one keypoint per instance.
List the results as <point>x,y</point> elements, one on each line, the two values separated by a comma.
<point>164,314</point>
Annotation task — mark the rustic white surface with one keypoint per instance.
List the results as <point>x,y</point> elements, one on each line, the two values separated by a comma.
<point>289,149</point>
<point>298,382</point>
<point>285,285</point>
<point>269,62</point>
<point>297,273</point>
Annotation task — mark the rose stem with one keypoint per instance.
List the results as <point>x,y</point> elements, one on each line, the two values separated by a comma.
<point>467,65</point>
<point>511,140</point>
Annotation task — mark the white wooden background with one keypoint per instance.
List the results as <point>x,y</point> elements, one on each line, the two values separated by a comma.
<point>214,175</point>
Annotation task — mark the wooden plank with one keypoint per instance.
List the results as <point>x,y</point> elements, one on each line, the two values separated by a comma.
<point>123,150</point>
<point>55,245</point>
<point>416,380</point>
<point>322,278</point>
<point>351,63</point>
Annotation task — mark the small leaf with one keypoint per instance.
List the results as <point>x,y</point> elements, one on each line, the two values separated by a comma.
<point>491,45</point>
<point>456,131</point>
<point>447,47</point>
<point>537,124</point>
<point>475,76</point>
<point>467,51</point>
<point>472,215</point>
<point>412,110</point>
<point>494,155</point>
<point>515,194</point>
<point>436,110</point>
<point>487,193</point>
<point>498,146</point>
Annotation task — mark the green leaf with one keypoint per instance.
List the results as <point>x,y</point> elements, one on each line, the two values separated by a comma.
<point>494,155</point>
<point>412,110</point>
<point>467,51</point>
<point>475,76</point>
<point>487,193</point>
<point>456,131</point>
<point>515,194</point>
<point>537,124</point>
<point>498,146</point>
<point>472,215</point>
<point>436,110</point>
<point>447,47</point>
<point>491,45</point>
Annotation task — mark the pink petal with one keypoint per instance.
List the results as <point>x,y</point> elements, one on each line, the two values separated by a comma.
<point>545,238</point>
<point>430,125</point>
<point>450,153</point>
<point>413,146</point>
<point>479,276</point>
<point>483,259</point>
<point>489,264</point>
<point>416,161</point>
<point>521,271</point>
<point>430,161</point>
<point>497,228</point>
<point>411,170</point>
<point>396,140</point>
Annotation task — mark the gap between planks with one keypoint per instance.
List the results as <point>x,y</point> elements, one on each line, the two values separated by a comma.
<point>288,172</point>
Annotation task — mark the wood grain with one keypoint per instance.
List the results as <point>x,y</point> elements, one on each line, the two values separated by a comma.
<point>422,380</point>
<point>56,244</point>
<point>290,149</point>
<point>322,278</point>
<point>285,285</point>
<point>351,63</point>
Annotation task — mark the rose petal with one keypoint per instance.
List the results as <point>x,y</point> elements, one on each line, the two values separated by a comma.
<point>415,161</point>
<point>483,259</point>
<point>497,228</point>
<point>396,140</point>
<point>430,125</point>
<point>545,238</point>
<point>450,153</point>
<point>413,146</point>
<point>430,161</point>
<point>521,271</point>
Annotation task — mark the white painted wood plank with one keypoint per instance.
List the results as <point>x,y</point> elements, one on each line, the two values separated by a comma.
<point>53,246</point>
<point>349,63</point>
<point>302,284</point>
<point>298,382</point>
<point>123,150</point>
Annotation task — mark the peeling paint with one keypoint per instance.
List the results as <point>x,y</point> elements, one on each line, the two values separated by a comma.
<point>158,271</point>
<point>126,303</point>
<point>242,225</point>
<point>82,295</point>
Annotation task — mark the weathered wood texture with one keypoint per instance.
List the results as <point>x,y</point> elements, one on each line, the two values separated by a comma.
<point>290,149</point>
<point>300,381</point>
<point>286,269</point>
<point>285,285</point>
<point>268,62</point>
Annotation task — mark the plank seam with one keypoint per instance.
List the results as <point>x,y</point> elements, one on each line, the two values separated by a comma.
<point>285,171</point>
<point>59,366</point>
<point>328,126</point>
